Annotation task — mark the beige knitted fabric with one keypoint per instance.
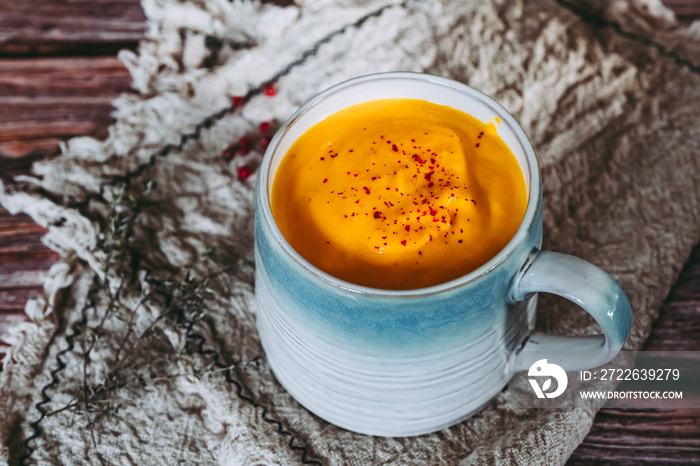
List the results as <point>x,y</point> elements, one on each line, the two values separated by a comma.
<point>609,93</point>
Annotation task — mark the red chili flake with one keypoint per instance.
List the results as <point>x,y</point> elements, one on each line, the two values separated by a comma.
<point>366,189</point>
<point>355,174</point>
<point>325,180</point>
<point>264,126</point>
<point>477,144</point>
<point>323,158</point>
<point>430,185</point>
<point>269,90</point>
<point>428,175</point>
<point>473,202</point>
<point>435,219</point>
<point>244,172</point>
<point>394,148</point>
<point>407,228</point>
<point>459,241</point>
<point>420,253</point>
<point>378,214</point>
<point>433,212</point>
<point>238,101</point>
<point>403,242</point>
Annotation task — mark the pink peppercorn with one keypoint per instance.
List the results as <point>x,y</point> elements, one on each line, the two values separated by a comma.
<point>229,152</point>
<point>244,142</point>
<point>244,172</point>
<point>238,101</point>
<point>269,90</point>
<point>264,142</point>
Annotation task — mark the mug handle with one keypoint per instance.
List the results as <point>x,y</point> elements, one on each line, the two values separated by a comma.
<point>589,287</point>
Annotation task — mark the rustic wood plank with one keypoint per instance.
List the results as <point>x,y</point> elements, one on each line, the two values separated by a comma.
<point>686,10</point>
<point>24,80</point>
<point>47,100</point>
<point>631,437</point>
<point>65,28</point>
<point>678,325</point>
<point>13,299</point>
<point>24,260</point>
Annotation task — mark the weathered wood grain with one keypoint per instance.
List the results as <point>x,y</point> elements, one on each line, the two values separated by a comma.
<point>65,28</point>
<point>47,100</point>
<point>634,437</point>
<point>686,11</point>
<point>24,262</point>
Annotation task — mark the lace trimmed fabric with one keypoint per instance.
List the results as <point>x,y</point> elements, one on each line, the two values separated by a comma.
<point>607,91</point>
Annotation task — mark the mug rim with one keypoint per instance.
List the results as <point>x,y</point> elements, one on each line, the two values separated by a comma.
<point>262,194</point>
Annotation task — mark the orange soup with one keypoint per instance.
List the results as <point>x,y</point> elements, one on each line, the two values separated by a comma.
<point>399,194</point>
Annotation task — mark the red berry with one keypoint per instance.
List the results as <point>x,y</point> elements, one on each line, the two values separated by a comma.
<point>244,142</point>
<point>238,101</point>
<point>229,152</point>
<point>269,90</point>
<point>264,142</point>
<point>244,172</point>
<point>264,126</point>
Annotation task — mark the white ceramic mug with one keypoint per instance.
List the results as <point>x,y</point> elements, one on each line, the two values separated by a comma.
<point>399,363</point>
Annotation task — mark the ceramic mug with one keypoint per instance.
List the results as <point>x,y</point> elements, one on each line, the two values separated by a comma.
<point>409,362</point>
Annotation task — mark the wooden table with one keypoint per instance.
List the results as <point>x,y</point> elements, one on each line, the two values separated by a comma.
<point>58,76</point>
